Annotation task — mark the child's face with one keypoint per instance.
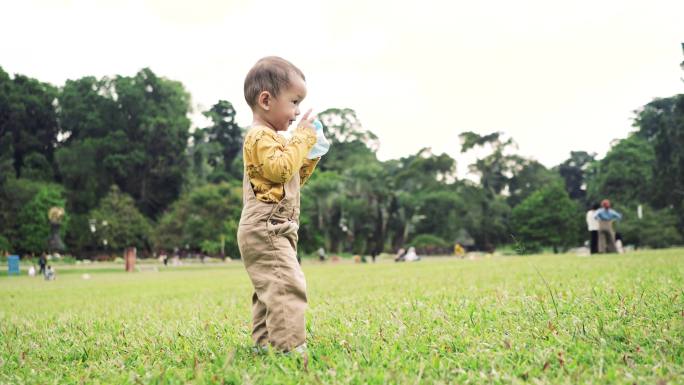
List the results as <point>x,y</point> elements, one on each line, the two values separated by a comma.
<point>284,109</point>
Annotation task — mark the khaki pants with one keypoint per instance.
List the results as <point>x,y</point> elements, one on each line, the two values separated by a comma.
<point>606,237</point>
<point>267,238</point>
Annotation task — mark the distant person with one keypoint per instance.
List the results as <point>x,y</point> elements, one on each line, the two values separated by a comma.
<point>42,262</point>
<point>593,227</point>
<point>459,251</point>
<point>49,273</point>
<point>321,254</point>
<point>619,243</point>
<point>275,169</point>
<point>606,216</point>
<point>411,255</point>
<point>401,254</point>
<point>32,271</point>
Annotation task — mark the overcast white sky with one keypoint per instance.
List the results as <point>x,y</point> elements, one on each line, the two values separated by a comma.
<point>555,75</point>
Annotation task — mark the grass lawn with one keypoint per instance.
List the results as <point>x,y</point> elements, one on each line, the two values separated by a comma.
<point>550,319</point>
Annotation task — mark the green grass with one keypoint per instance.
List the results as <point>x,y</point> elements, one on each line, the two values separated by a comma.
<point>538,319</point>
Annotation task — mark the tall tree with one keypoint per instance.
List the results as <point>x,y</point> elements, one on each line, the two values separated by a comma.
<point>625,174</point>
<point>134,132</point>
<point>661,124</point>
<point>496,168</point>
<point>28,117</point>
<point>527,177</point>
<point>414,178</point>
<point>219,145</point>
<point>574,172</point>
<point>341,125</point>
<point>351,143</point>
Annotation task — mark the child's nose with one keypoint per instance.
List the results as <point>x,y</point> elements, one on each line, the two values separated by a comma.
<point>297,111</point>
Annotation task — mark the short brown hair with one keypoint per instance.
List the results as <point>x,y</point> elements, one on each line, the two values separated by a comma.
<point>271,74</point>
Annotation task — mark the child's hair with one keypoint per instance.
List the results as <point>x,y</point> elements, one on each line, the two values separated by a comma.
<point>271,74</point>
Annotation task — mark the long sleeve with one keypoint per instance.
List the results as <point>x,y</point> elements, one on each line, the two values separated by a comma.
<point>280,162</point>
<point>307,169</point>
<point>607,215</point>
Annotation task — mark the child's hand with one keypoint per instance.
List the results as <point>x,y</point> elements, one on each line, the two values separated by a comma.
<point>307,122</point>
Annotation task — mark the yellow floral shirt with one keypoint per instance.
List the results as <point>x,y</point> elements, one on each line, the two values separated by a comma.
<point>271,160</point>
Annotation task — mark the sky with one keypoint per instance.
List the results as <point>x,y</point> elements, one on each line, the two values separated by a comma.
<point>556,76</point>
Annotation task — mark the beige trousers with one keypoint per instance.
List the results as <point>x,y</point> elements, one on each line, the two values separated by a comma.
<point>606,237</point>
<point>267,238</point>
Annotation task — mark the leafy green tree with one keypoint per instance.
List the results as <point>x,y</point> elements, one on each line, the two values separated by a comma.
<point>527,177</point>
<point>37,167</point>
<point>496,168</point>
<point>625,174</point>
<point>15,194</point>
<point>6,86</point>
<point>228,135</point>
<point>364,211</point>
<point>354,210</point>
<point>28,117</point>
<point>442,213</point>
<point>216,148</point>
<point>548,217</point>
<point>343,212</point>
<point>486,216</point>
<point>351,144</point>
<point>488,211</point>
<point>7,171</point>
<point>416,183</point>
<point>133,131</point>
<point>118,224</point>
<point>320,212</point>
<point>574,172</point>
<point>657,228</point>
<point>341,125</point>
<point>5,245</point>
<point>661,124</point>
<point>205,219</point>
<point>32,218</point>
<point>83,174</point>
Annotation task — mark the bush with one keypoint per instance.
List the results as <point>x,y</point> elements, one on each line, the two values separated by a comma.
<point>119,222</point>
<point>548,217</point>
<point>428,244</point>
<point>204,219</point>
<point>656,229</point>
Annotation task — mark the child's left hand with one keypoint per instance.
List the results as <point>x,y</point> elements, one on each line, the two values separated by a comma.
<point>307,122</point>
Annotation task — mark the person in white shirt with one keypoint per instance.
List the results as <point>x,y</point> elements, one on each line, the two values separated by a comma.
<point>593,227</point>
<point>411,255</point>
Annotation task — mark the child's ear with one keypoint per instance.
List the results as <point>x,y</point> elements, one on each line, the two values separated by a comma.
<point>264,100</point>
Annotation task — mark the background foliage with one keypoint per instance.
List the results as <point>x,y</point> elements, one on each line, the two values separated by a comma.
<point>122,150</point>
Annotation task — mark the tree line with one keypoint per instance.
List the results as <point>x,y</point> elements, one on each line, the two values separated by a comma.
<point>122,157</point>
